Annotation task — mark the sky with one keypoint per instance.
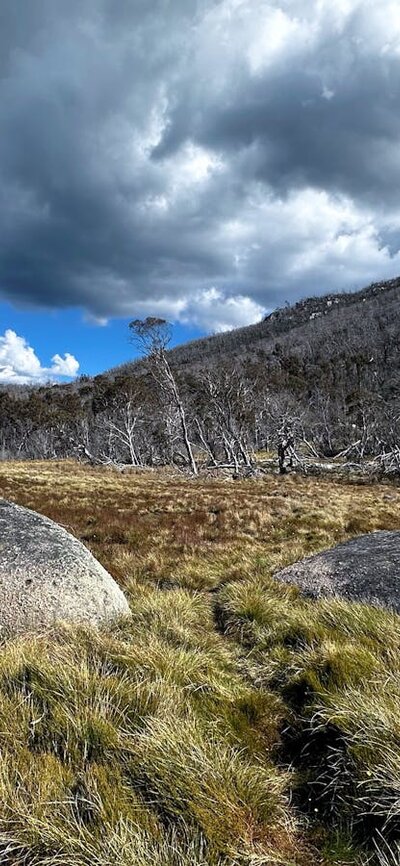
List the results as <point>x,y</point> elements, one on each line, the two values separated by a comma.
<point>199,160</point>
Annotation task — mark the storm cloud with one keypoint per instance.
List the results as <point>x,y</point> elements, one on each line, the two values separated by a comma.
<point>200,160</point>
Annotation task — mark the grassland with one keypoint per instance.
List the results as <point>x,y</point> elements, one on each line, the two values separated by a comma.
<point>229,722</point>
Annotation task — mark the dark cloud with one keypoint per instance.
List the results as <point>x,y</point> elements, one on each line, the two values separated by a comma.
<point>163,156</point>
<point>326,115</point>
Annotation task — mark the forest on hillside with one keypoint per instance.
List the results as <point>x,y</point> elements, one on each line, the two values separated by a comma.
<point>322,376</point>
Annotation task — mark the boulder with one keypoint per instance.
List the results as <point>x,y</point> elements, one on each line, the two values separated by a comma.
<point>47,575</point>
<point>366,568</point>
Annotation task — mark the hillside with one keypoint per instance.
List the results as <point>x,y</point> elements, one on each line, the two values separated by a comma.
<point>308,319</point>
<point>327,367</point>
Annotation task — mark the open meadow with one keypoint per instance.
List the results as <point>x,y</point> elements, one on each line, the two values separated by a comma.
<point>228,722</point>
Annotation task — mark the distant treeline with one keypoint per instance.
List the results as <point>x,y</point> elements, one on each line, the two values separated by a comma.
<point>325,371</point>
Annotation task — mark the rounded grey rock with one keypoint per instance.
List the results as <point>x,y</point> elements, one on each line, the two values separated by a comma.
<point>366,569</point>
<point>47,575</point>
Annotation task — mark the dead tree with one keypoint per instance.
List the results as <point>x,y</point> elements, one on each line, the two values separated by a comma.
<point>227,409</point>
<point>153,336</point>
<point>285,448</point>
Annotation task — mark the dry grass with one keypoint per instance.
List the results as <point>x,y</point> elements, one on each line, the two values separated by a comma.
<point>159,528</point>
<point>229,722</point>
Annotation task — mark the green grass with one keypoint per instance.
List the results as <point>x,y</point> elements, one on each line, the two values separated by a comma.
<point>99,733</point>
<point>228,722</point>
<point>336,666</point>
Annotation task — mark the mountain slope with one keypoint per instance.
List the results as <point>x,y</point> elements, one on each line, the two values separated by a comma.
<point>327,367</point>
<point>311,319</point>
<point>307,319</point>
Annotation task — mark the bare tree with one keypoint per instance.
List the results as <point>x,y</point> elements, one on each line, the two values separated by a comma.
<point>285,447</point>
<point>225,417</point>
<point>153,335</point>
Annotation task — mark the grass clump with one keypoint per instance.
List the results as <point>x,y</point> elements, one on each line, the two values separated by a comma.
<point>189,771</point>
<point>336,666</point>
<point>228,722</point>
<point>124,732</point>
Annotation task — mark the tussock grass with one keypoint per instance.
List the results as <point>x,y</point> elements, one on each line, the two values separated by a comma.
<point>188,770</point>
<point>337,667</point>
<point>104,732</point>
<point>228,722</point>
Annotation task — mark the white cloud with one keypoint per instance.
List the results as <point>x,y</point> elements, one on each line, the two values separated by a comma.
<point>305,243</point>
<point>66,366</point>
<point>277,35</point>
<point>19,365</point>
<point>212,310</point>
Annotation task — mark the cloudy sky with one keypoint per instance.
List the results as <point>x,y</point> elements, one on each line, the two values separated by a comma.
<point>201,160</point>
